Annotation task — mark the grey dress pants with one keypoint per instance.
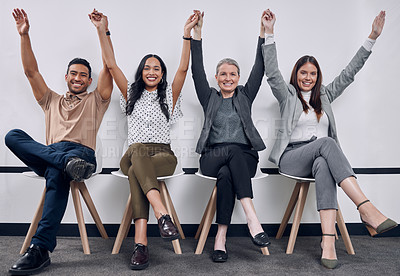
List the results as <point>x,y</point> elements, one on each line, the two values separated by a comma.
<point>323,160</point>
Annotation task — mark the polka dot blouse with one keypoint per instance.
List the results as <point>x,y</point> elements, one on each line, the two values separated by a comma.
<point>147,123</point>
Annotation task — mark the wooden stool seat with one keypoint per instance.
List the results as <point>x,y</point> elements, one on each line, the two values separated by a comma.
<point>299,196</point>
<point>209,212</point>
<point>128,214</point>
<point>76,188</point>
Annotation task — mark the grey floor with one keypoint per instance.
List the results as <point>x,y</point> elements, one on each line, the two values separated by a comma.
<point>374,256</point>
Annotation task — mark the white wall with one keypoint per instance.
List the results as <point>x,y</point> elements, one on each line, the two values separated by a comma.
<point>331,31</point>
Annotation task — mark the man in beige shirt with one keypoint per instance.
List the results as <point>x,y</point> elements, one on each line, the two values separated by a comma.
<point>72,122</point>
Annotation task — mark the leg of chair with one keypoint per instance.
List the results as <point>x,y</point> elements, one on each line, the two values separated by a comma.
<point>289,210</point>
<point>173,211</point>
<point>297,216</point>
<point>264,250</point>
<point>175,243</point>
<point>92,209</point>
<point>34,224</point>
<point>203,218</point>
<point>124,227</point>
<point>209,215</point>
<point>79,217</point>
<point>129,217</point>
<point>343,231</point>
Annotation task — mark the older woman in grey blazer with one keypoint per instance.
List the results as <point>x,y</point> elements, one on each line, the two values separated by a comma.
<point>229,141</point>
<point>307,142</point>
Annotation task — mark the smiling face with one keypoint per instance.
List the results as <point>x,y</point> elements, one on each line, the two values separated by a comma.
<point>152,73</point>
<point>77,78</point>
<point>227,78</point>
<point>307,77</point>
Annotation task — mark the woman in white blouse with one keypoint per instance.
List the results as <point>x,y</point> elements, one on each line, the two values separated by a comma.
<point>307,143</point>
<point>151,106</point>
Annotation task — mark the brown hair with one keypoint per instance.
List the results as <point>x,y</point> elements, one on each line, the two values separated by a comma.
<point>315,100</point>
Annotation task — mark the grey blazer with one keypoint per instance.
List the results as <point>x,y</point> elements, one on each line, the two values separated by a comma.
<point>211,99</point>
<point>289,104</point>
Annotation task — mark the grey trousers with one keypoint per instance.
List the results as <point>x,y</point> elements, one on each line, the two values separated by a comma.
<point>323,160</point>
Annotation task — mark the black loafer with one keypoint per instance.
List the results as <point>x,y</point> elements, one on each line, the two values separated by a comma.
<point>261,239</point>
<point>34,260</point>
<point>78,169</point>
<point>219,256</point>
<point>140,257</point>
<point>167,228</point>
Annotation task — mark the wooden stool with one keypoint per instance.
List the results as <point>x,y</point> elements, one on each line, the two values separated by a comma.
<point>128,214</point>
<point>206,221</point>
<point>299,196</point>
<point>76,187</point>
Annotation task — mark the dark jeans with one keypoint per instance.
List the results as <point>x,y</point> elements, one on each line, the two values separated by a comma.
<point>48,161</point>
<point>233,166</point>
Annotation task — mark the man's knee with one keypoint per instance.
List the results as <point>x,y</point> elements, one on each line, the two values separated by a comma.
<point>11,137</point>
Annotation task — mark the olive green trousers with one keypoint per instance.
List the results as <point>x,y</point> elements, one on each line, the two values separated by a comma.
<point>143,163</point>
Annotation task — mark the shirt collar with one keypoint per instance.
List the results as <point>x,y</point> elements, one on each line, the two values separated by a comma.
<point>70,96</point>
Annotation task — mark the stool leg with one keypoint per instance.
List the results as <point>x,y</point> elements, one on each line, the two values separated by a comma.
<point>264,250</point>
<point>34,224</point>
<point>289,210</point>
<point>164,196</point>
<point>124,227</point>
<point>203,219</point>
<point>173,213</point>
<point>297,216</point>
<point>92,209</point>
<point>129,217</point>
<point>209,215</point>
<point>79,217</point>
<point>343,231</point>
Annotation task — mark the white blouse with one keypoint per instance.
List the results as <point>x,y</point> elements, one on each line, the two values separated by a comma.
<point>147,123</point>
<point>308,125</point>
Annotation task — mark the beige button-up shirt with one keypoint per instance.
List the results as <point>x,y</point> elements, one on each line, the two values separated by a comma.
<point>73,118</point>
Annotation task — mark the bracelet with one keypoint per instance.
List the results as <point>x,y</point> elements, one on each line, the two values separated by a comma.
<point>187,38</point>
<point>108,33</point>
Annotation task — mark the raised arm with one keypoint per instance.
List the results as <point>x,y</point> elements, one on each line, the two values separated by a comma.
<point>275,80</point>
<point>180,74</point>
<point>253,83</point>
<point>105,82</point>
<point>201,85</point>
<point>29,63</point>
<point>100,21</point>
<point>347,76</point>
